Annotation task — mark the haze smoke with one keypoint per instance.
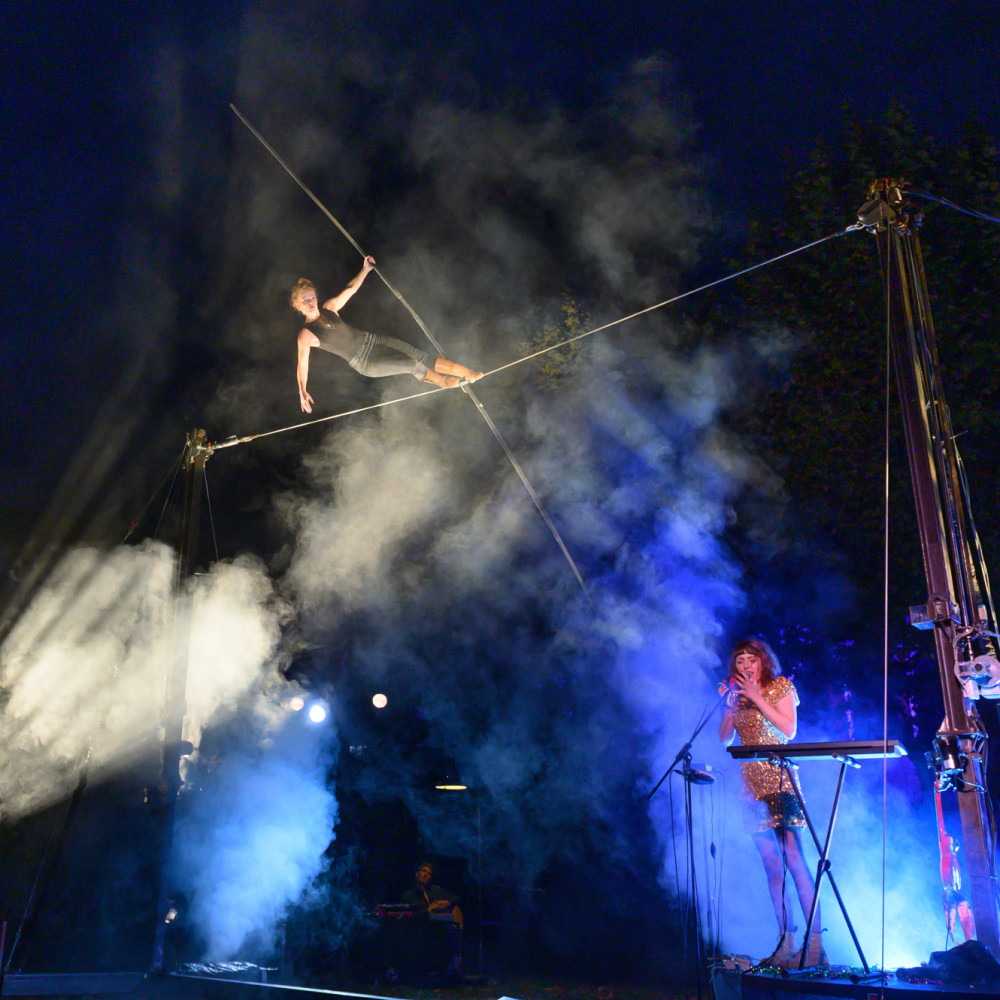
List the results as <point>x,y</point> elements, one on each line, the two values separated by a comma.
<point>84,669</point>
<point>401,544</point>
<point>83,672</point>
<point>253,842</point>
<point>418,563</point>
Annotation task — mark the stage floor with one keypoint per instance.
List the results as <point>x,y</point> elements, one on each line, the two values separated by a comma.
<point>731,984</point>
<point>717,984</point>
<point>136,986</point>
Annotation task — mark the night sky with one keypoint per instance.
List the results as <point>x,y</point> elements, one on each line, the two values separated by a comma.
<point>499,163</point>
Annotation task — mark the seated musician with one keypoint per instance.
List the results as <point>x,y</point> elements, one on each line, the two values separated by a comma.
<point>433,901</point>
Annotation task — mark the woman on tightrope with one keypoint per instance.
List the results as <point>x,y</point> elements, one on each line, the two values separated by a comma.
<point>369,354</point>
<point>761,709</point>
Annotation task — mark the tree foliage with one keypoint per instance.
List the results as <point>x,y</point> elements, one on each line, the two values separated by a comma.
<point>822,423</point>
<point>553,366</point>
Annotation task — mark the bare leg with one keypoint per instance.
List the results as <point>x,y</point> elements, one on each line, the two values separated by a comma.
<point>805,889</point>
<point>804,886</point>
<point>770,854</point>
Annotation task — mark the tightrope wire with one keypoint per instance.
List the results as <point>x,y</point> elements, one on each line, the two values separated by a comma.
<point>229,442</point>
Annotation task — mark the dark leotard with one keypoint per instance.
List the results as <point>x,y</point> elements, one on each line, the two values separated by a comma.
<point>334,335</point>
<point>371,354</point>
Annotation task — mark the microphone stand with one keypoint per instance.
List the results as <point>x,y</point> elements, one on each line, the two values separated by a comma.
<point>684,755</point>
<point>685,751</point>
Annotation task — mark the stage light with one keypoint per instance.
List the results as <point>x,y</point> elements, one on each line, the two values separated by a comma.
<point>296,704</point>
<point>317,712</point>
<point>980,677</point>
<point>450,783</point>
<point>380,700</point>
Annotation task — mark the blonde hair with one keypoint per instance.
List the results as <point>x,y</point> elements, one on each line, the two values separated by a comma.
<point>300,286</point>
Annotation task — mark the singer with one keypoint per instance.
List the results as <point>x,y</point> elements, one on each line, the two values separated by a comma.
<point>761,708</point>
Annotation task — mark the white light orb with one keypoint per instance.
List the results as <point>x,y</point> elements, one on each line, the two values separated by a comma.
<point>380,700</point>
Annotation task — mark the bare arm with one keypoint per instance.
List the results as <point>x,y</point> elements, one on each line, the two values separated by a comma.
<point>339,301</point>
<point>727,729</point>
<point>782,716</point>
<point>307,340</point>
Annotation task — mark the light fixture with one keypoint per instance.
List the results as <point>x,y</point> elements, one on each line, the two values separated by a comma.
<point>450,783</point>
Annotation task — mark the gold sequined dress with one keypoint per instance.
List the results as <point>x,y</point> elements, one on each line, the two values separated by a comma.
<point>767,794</point>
